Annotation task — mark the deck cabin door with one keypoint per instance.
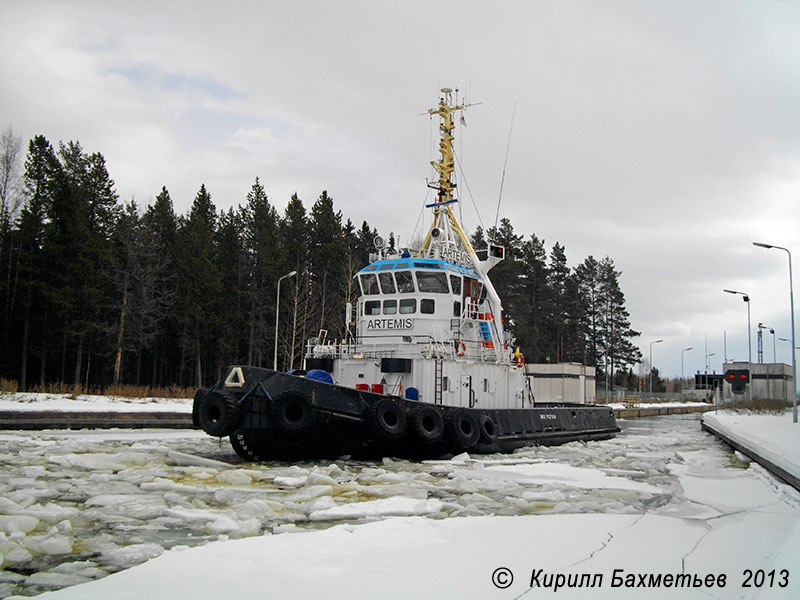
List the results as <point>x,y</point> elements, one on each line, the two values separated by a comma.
<point>466,395</point>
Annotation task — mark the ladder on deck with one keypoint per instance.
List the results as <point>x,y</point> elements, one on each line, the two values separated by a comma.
<point>437,381</point>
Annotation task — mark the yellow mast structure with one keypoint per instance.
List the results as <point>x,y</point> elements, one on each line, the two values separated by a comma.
<point>445,219</point>
<point>445,167</point>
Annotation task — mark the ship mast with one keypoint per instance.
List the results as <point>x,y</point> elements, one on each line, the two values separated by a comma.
<point>445,232</point>
<point>444,218</point>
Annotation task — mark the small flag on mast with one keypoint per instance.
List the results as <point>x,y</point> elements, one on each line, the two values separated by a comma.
<point>463,120</point>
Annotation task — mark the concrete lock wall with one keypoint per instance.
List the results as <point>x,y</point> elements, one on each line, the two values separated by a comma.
<point>768,381</point>
<point>562,382</point>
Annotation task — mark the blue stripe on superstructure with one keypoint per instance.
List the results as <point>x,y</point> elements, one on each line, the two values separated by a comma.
<point>408,263</point>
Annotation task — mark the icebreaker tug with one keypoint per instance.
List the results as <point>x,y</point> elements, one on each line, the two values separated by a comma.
<point>426,369</point>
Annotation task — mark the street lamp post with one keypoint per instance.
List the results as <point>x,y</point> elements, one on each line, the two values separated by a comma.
<point>682,351</point>
<point>277,314</point>
<point>746,298</point>
<point>707,364</point>
<point>651,363</point>
<point>761,328</point>
<point>791,309</point>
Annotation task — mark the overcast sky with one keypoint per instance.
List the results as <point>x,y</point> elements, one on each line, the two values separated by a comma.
<point>664,134</point>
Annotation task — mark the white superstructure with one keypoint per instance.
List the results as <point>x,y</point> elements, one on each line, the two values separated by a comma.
<point>430,327</point>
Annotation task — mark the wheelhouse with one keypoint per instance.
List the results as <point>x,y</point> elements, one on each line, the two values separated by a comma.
<point>417,300</point>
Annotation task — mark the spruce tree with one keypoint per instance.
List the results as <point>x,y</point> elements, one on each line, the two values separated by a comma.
<point>160,224</point>
<point>199,289</point>
<point>587,276</point>
<point>43,179</point>
<point>616,330</point>
<point>231,307</point>
<point>327,254</point>
<point>535,300</point>
<point>294,235</point>
<point>265,264</point>
<point>558,273</point>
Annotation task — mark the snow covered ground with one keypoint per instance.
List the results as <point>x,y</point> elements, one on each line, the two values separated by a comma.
<point>35,402</point>
<point>175,514</point>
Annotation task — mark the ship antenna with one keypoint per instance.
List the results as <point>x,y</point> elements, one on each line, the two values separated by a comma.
<point>505,162</point>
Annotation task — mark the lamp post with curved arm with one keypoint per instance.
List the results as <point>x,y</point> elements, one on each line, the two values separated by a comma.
<point>651,363</point>
<point>746,298</point>
<point>791,310</point>
<point>682,351</point>
<point>277,314</point>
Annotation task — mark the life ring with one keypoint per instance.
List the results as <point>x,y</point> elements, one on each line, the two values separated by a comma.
<point>291,413</point>
<point>520,360</point>
<point>461,348</point>
<point>387,419</point>
<point>219,414</point>
<point>428,424</point>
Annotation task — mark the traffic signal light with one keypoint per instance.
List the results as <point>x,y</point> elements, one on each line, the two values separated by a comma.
<point>738,378</point>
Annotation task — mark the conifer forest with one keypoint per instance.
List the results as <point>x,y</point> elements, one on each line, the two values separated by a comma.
<point>95,291</point>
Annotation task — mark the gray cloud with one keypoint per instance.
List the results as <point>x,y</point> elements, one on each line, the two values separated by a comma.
<point>662,134</point>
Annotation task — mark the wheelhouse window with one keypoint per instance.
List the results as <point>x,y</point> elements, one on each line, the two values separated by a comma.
<point>433,283</point>
<point>369,284</point>
<point>427,306</point>
<point>456,308</point>
<point>390,307</point>
<point>387,283</point>
<point>455,283</point>
<point>372,307</point>
<point>408,306</point>
<point>405,282</point>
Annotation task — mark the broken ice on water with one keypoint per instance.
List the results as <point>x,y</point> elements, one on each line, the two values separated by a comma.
<point>75,506</point>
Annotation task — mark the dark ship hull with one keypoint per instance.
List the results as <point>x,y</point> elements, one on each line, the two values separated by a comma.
<point>270,415</point>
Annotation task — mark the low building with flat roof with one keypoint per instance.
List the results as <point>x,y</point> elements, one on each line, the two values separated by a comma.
<point>768,381</point>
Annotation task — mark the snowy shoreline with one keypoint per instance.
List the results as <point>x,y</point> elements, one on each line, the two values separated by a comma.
<point>42,402</point>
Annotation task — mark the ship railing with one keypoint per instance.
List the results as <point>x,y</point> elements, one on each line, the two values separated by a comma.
<point>440,344</point>
<point>484,350</point>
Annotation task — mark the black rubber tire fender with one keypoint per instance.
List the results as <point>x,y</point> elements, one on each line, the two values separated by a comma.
<point>488,429</point>
<point>387,419</point>
<point>219,413</point>
<point>198,400</point>
<point>427,424</point>
<point>291,413</point>
<point>462,429</point>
